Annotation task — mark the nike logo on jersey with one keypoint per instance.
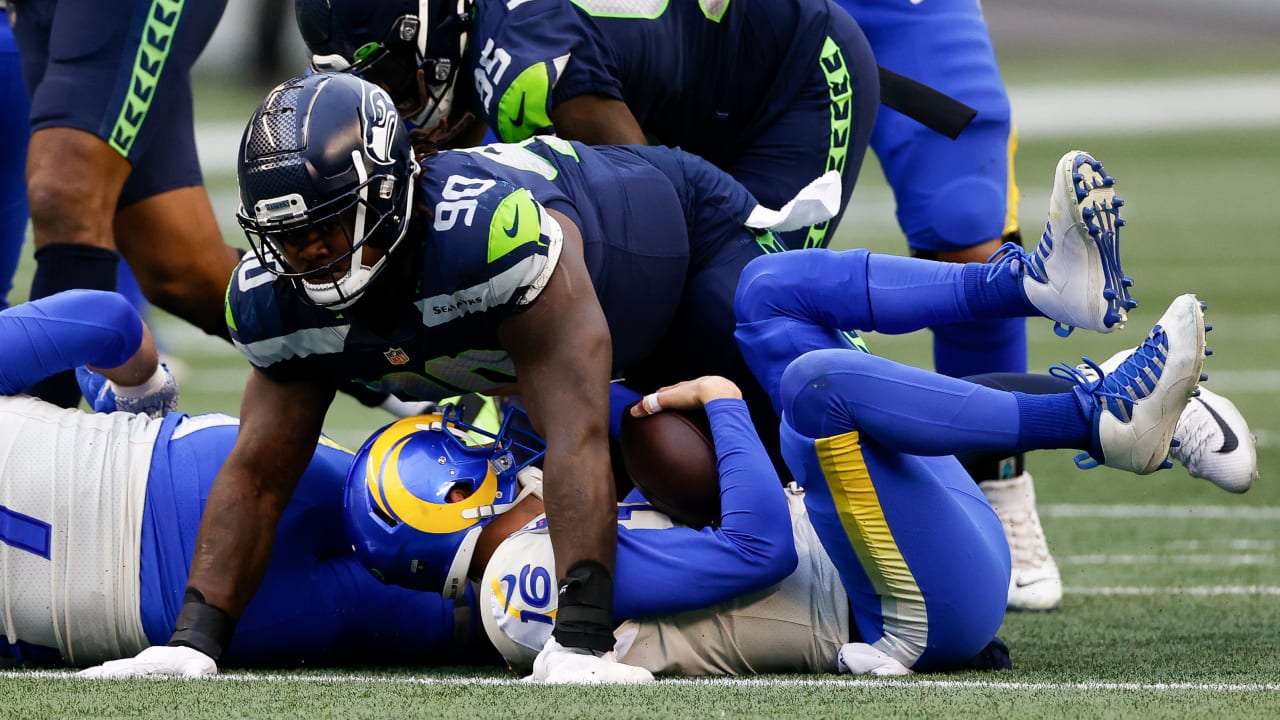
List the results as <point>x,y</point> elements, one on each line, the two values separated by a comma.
<point>515,225</point>
<point>518,120</point>
<point>1229,440</point>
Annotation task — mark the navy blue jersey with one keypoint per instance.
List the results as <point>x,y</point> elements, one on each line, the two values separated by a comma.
<point>705,75</point>
<point>485,253</point>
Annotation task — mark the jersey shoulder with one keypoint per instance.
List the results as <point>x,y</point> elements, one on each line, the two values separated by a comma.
<point>525,53</point>
<point>488,236</point>
<point>270,324</point>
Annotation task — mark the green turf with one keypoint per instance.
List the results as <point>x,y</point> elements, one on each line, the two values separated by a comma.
<point>1203,212</point>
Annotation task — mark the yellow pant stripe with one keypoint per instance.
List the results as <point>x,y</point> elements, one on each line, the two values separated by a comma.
<point>858,505</point>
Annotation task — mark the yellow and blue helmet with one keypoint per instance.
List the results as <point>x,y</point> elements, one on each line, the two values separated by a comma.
<point>397,513</point>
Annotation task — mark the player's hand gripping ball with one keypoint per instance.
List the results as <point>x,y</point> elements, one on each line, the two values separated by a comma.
<point>671,458</point>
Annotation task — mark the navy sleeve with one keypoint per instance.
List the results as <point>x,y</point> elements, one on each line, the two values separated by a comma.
<point>677,569</point>
<point>531,57</point>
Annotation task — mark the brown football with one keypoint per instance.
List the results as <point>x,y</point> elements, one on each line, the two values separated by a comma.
<point>671,458</point>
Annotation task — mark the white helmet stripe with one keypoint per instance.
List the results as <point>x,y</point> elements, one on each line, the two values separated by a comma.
<point>424,26</point>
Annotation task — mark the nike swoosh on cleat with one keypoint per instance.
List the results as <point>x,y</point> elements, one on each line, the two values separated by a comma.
<point>1229,440</point>
<point>1028,583</point>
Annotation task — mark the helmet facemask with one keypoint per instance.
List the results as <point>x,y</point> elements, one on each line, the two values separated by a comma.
<point>423,98</point>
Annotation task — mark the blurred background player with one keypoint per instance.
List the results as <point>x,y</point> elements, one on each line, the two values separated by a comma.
<point>774,92</point>
<point>112,164</point>
<point>87,582</point>
<point>15,129</point>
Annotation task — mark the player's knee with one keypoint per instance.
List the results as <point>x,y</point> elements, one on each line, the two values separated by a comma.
<point>771,283</point>
<point>966,212</point>
<point>63,210</point>
<point>810,396</point>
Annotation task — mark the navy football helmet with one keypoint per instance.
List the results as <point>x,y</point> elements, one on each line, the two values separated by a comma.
<point>323,151</point>
<point>396,509</point>
<point>387,42</point>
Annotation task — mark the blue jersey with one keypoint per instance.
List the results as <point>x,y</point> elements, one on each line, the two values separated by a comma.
<point>317,603</point>
<point>704,75</point>
<point>487,251</point>
<point>661,568</point>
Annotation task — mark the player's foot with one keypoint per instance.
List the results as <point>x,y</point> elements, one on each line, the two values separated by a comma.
<point>1035,583</point>
<point>1136,407</point>
<point>1214,440</point>
<point>863,659</point>
<point>1074,275</point>
<point>559,665</point>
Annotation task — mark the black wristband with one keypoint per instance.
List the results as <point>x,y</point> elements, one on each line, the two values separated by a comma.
<point>585,606</point>
<point>202,626</point>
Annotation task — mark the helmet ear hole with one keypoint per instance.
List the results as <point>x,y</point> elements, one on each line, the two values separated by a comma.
<point>382,515</point>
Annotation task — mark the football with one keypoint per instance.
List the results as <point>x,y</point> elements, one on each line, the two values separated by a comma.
<point>671,458</point>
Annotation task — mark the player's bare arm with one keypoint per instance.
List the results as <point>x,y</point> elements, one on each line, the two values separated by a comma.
<point>279,426</point>
<point>597,120</point>
<point>562,353</point>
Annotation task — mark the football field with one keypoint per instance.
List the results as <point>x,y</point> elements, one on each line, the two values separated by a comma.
<point>1172,605</point>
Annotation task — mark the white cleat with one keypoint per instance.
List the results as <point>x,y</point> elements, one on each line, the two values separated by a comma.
<point>864,659</point>
<point>1214,440</point>
<point>1035,583</point>
<point>1136,407</point>
<point>1074,275</point>
<point>559,665</point>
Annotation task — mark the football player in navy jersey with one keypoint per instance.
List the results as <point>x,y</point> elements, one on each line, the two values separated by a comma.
<point>547,267</point>
<point>98,513</point>
<point>775,92</point>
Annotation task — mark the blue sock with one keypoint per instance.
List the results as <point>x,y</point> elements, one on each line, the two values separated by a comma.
<point>1053,421</point>
<point>68,266</point>
<point>981,346</point>
<point>998,296</point>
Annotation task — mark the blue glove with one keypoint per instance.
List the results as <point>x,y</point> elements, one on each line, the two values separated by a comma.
<point>156,397</point>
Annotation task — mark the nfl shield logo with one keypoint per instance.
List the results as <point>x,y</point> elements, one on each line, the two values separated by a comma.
<point>396,356</point>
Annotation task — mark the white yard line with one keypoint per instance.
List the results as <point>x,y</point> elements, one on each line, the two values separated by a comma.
<point>904,683</point>
<point>1197,591</point>
<point>1235,513</point>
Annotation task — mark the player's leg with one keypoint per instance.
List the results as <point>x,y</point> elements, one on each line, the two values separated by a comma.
<point>102,78</point>
<point>826,127</point>
<point>165,226</point>
<point>956,199</point>
<point>919,549</point>
<point>1124,419</point>
<point>14,129</point>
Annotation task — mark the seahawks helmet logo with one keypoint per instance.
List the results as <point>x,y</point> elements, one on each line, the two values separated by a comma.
<point>381,125</point>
